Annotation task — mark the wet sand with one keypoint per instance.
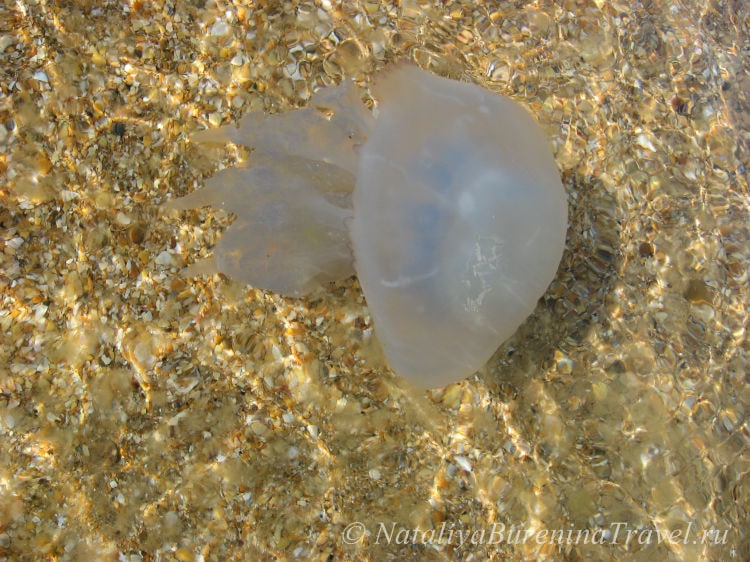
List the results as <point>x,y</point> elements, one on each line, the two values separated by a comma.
<point>148,416</point>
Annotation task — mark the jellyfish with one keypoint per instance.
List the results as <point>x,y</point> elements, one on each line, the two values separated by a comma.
<point>445,201</point>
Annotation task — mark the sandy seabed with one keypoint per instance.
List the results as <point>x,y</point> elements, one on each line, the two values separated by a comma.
<point>146,416</point>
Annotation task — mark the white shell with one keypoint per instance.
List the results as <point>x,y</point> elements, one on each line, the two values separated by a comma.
<point>458,217</point>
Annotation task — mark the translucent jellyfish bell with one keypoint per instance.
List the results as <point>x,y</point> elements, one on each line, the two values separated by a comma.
<point>450,201</point>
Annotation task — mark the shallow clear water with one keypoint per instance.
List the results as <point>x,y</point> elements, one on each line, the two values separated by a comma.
<point>148,416</point>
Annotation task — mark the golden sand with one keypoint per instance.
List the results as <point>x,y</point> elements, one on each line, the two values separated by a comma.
<point>144,416</point>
